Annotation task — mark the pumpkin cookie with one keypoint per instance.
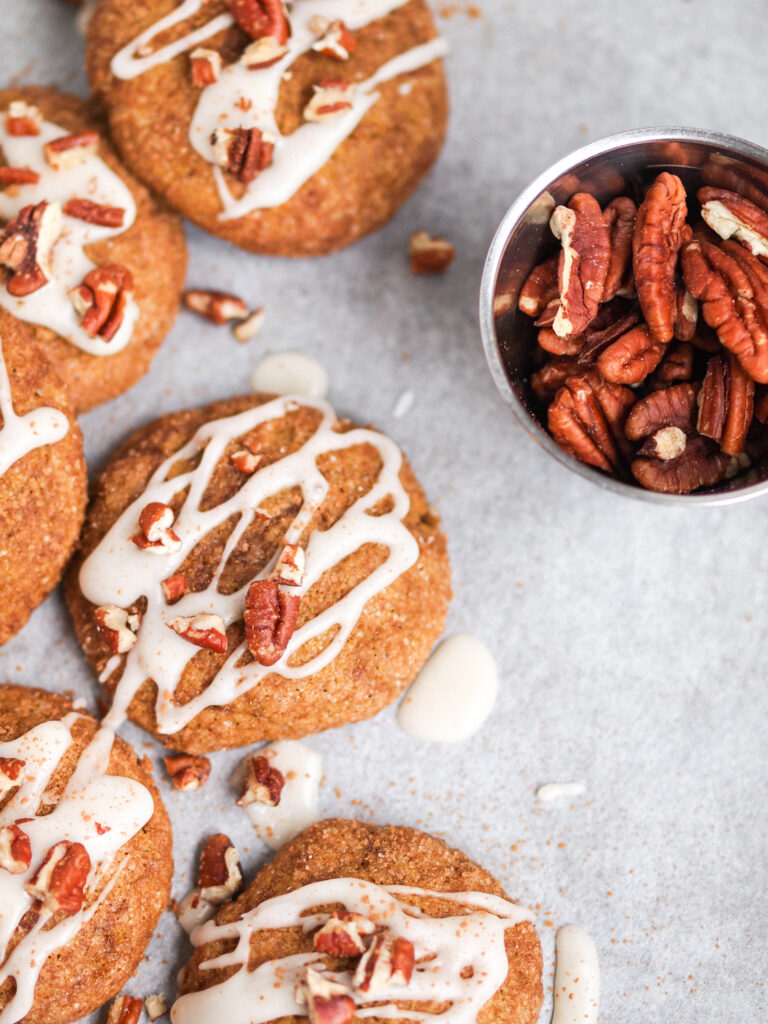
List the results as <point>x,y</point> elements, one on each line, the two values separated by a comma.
<point>85,859</point>
<point>89,259</point>
<point>279,127</point>
<point>349,915</point>
<point>257,570</point>
<point>42,477</point>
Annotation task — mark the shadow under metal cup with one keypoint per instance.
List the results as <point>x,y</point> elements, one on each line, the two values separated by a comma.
<point>623,164</point>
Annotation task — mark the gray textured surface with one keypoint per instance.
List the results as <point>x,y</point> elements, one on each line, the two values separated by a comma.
<point>629,638</point>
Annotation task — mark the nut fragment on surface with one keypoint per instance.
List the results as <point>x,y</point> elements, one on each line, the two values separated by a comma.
<point>342,934</point>
<point>219,876</point>
<point>248,328</point>
<point>218,307</point>
<point>330,99</point>
<point>270,619</point>
<point>124,1010</point>
<point>246,462</point>
<point>26,245</point>
<point>388,961</point>
<point>429,255</point>
<point>70,151</point>
<point>175,587</point>
<point>60,880</point>
<point>630,358</point>
<point>11,774</point>
<point>327,1001</point>
<point>583,262</point>
<point>156,1006</point>
<point>15,850</point>
<point>205,67</point>
<point>155,522</point>
<point>188,772</point>
<point>102,298</point>
<point>263,784</point>
<point>23,119</point>
<point>117,627</point>
<point>258,18</point>
<point>289,569</point>
<point>207,631</point>
<point>264,52</point>
<point>243,152</point>
<point>337,41</point>
<point>95,213</point>
<point>655,246</point>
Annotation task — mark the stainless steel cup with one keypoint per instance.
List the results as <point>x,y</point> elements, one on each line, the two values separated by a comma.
<point>620,164</point>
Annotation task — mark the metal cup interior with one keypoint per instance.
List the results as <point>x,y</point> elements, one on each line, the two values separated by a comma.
<point>623,164</point>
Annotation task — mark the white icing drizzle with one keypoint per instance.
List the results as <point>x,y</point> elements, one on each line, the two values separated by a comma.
<point>117,572</point>
<point>404,404</point>
<point>50,306</point>
<point>285,373</point>
<point>472,939</point>
<point>302,770</point>
<point>556,790</point>
<point>19,435</point>
<point>577,978</point>
<point>453,694</point>
<point>297,156</point>
<point>103,812</point>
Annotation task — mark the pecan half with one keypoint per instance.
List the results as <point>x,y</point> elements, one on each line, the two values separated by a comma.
<point>124,1010</point>
<point>655,246</point>
<point>156,1006</point>
<point>102,298</point>
<point>586,418</point>
<point>206,631</point>
<point>243,152</point>
<point>568,346</point>
<point>11,774</point>
<point>700,465</point>
<point>583,262</point>
<point>619,216</point>
<point>342,934</point>
<point>630,358</point>
<point>205,67</point>
<point>219,876</point>
<point>23,119</point>
<point>263,784</point>
<point>95,213</point>
<point>155,522</point>
<point>117,627</point>
<point>670,407</point>
<point>270,619</point>
<point>188,772</point>
<point>429,255</point>
<point>388,960</point>
<point>337,42</point>
<point>15,850</point>
<point>70,151</point>
<point>26,244</point>
<point>329,99</point>
<point>726,403</point>
<point>327,1001</point>
<point>259,18</point>
<point>60,880</point>
<point>540,288</point>
<point>732,216</point>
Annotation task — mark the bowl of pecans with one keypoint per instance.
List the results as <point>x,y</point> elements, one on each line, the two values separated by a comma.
<point>624,314</point>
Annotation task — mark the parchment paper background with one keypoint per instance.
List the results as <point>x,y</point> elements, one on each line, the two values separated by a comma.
<point>630,638</point>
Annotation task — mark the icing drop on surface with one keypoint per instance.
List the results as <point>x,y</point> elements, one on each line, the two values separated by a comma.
<point>117,572</point>
<point>287,373</point>
<point>297,156</point>
<point>474,938</point>
<point>577,978</point>
<point>557,790</point>
<point>403,405</point>
<point>453,694</point>
<point>302,769</point>
<point>50,306</point>
<point>19,435</point>
<point>91,798</point>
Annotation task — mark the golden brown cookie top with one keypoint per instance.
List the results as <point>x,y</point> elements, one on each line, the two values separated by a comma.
<point>348,916</point>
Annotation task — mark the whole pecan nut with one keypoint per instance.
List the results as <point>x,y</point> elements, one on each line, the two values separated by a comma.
<point>583,262</point>
<point>733,216</point>
<point>699,465</point>
<point>670,407</point>
<point>587,418</point>
<point>655,246</point>
<point>619,216</point>
<point>630,358</point>
<point>726,403</point>
<point>270,619</point>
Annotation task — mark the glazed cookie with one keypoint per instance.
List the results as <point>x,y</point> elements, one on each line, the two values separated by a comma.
<point>349,916</point>
<point>89,259</point>
<point>85,859</point>
<point>289,129</point>
<point>42,477</point>
<point>286,570</point>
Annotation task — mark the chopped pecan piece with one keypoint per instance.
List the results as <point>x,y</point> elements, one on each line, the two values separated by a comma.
<point>205,66</point>
<point>246,462</point>
<point>540,288</point>
<point>263,784</point>
<point>619,216</point>
<point>247,329</point>
<point>259,18</point>
<point>175,587</point>
<point>429,255</point>
<point>270,619</point>
<point>671,407</point>
<point>218,307</point>
<point>219,876</point>
<point>388,960</point>
<point>587,418</point>
<point>71,150</point>
<point>337,42</point>
<point>117,627</point>
<point>11,774</point>
<point>327,1001</point>
<point>630,358</point>
<point>289,569</point>
<point>188,772</point>
<point>95,213</point>
<point>263,53</point>
<point>732,216</point>
<point>102,298</point>
<point>243,152</point>
<point>330,98</point>
<point>124,1010</point>
<point>583,262</point>
<point>23,119</point>
<point>155,522</point>
<point>60,880</point>
<point>342,934</point>
<point>26,244</point>
<point>15,850</point>
<point>18,176</point>
<point>206,631</point>
<point>655,246</point>
<point>156,1006</point>
<point>686,313</point>
<point>699,465</point>
<point>726,403</point>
